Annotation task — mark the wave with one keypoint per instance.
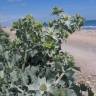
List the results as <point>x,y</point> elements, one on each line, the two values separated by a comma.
<point>89,27</point>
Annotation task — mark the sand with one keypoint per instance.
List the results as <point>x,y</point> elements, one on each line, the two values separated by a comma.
<point>12,35</point>
<point>82,45</point>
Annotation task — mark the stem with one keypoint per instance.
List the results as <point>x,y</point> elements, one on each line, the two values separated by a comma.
<point>23,66</point>
<point>57,81</point>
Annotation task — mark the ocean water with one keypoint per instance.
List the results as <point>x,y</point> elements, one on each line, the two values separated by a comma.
<point>90,24</point>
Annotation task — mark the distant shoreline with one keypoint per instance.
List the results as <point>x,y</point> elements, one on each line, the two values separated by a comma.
<point>89,27</point>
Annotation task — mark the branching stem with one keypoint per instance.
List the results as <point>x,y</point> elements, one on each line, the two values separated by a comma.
<point>60,77</point>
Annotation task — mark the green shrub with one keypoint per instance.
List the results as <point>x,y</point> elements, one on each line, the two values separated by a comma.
<point>34,64</point>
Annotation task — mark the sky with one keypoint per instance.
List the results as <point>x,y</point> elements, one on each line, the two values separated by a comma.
<point>11,10</point>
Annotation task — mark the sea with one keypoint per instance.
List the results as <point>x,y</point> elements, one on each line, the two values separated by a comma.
<point>90,24</point>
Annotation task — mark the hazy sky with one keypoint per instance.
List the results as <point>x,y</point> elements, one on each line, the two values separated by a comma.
<point>41,9</point>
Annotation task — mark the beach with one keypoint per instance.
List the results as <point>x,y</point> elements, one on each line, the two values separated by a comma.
<point>82,45</point>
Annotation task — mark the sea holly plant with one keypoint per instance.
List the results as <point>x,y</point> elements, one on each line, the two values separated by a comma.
<point>34,63</point>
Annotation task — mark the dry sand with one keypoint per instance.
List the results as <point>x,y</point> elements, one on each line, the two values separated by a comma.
<point>11,33</point>
<point>82,45</point>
